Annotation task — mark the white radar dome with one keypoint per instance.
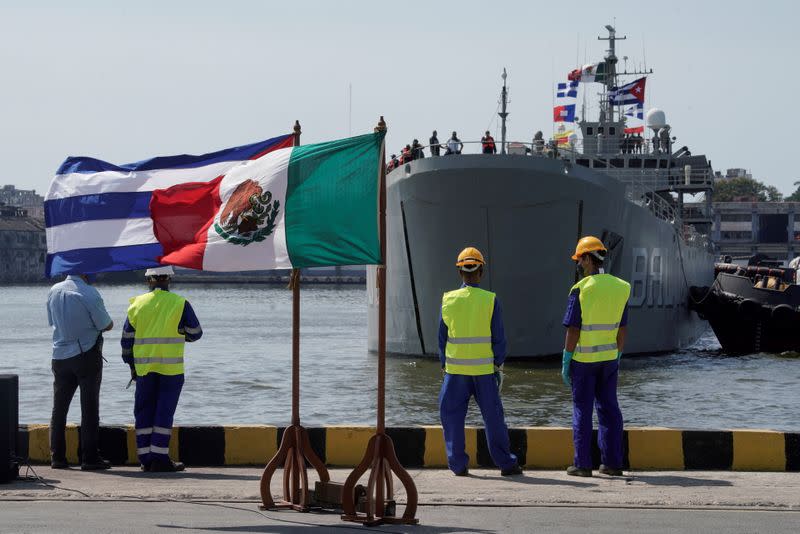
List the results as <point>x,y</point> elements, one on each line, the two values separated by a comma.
<point>656,119</point>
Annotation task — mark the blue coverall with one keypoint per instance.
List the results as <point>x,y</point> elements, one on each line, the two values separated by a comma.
<point>157,395</point>
<point>454,401</point>
<point>594,383</point>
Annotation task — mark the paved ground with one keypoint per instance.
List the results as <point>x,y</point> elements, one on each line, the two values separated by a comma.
<point>225,500</point>
<point>98,517</point>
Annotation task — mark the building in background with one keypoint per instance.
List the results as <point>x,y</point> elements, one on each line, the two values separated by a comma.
<point>741,229</point>
<point>732,173</point>
<point>23,246</point>
<point>21,198</point>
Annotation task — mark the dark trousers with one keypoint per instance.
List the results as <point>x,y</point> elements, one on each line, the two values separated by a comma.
<point>84,371</point>
<point>596,383</point>
<point>453,403</point>
<point>154,410</point>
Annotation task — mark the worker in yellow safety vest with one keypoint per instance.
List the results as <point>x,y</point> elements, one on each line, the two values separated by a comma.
<point>472,349</point>
<point>158,325</point>
<point>596,321</point>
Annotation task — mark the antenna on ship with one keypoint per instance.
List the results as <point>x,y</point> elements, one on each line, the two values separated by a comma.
<point>611,69</point>
<point>503,114</point>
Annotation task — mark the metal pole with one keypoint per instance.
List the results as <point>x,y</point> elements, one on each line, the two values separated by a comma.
<point>295,284</point>
<point>381,423</point>
<point>503,114</point>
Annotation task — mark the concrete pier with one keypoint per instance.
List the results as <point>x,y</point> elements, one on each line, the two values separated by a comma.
<point>674,481</point>
<point>226,499</point>
<point>423,446</point>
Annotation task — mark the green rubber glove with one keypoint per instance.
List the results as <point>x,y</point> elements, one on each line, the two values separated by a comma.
<point>565,359</point>
<point>619,354</point>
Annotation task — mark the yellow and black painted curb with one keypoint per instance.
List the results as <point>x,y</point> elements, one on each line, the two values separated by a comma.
<point>423,446</point>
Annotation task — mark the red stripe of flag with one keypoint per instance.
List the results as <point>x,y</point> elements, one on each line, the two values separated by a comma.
<point>181,217</point>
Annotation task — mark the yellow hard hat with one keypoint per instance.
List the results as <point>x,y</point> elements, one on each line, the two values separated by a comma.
<point>588,244</point>
<point>470,256</point>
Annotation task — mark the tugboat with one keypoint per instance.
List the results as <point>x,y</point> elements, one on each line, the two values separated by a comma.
<point>752,308</point>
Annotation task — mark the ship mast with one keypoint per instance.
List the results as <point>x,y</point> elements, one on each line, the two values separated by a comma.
<point>503,114</point>
<point>606,109</point>
<point>611,70</point>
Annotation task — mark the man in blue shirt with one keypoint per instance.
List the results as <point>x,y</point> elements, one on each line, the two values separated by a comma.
<point>78,316</point>
<point>472,348</point>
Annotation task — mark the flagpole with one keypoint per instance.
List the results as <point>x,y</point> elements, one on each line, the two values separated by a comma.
<point>380,457</point>
<point>295,446</point>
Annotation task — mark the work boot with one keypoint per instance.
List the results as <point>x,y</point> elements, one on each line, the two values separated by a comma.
<point>610,471</point>
<point>145,467</point>
<point>511,471</point>
<point>578,471</point>
<point>97,464</point>
<point>463,473</point>
<point>166,467</point>
<point>59,463</point>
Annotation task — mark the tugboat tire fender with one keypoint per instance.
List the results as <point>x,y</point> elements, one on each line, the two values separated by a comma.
<point>783,313</point>
<point>750,308</point>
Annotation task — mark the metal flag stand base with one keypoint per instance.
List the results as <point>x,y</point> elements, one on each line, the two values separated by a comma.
<point>380,457</point>
<point>295,449</point>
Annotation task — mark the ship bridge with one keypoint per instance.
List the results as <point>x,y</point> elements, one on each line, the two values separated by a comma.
<point>655,174</point>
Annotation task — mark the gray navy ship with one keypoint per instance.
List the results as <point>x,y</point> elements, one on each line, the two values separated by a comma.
<point>525,208</point>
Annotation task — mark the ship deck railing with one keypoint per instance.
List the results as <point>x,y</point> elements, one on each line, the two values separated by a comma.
<point>644,186</point>
<point>664,178</point>
<point>673,179</point>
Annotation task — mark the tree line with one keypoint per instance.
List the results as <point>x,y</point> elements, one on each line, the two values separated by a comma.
<point>743,189</point>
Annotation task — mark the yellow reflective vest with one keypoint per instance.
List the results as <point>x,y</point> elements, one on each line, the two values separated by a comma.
<point>602,298</point>
<point>157,345</point>
<point>467,313</point>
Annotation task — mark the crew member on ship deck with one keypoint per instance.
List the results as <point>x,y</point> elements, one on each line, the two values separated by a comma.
<point>472,349</point>
<point>596,319</point>
<point>487,144</point>
<point>156,329</point>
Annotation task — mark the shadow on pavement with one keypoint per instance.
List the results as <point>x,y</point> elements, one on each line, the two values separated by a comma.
<point>289,521</point>
<point>301,527</point>
<point>180,474</point>
<point>29,480</point>
<point>681,481</point>
<point>534,481</point>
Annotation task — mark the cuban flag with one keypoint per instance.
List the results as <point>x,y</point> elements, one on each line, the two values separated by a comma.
<point>267,205</point>
<point>564,113</point>
<point>635,111</point>
<point>568,89</point>
<point>631,93</point>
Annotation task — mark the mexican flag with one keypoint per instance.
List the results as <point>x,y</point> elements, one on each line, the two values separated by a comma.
<point>268,205</point>
<point>592,72</point>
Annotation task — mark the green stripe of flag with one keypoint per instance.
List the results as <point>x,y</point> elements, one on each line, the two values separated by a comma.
<point>332,201</point>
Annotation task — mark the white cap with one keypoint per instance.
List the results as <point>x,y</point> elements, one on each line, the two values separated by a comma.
<point>166,270</point>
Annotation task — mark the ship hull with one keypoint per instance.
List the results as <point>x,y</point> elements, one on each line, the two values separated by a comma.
<point>525,214</point>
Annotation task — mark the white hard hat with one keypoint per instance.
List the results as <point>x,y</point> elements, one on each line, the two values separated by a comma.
<point>166,270</point>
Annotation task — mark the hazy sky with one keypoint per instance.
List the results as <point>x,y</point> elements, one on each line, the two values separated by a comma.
<point>124,81</point>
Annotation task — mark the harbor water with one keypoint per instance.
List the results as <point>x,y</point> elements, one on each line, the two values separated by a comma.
<point>240,372</point>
